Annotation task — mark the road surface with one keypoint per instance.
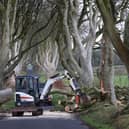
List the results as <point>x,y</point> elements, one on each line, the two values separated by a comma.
<point>49,120</point>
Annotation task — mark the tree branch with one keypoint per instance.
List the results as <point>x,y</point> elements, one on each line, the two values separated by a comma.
<point>18,57</point>
<point>33,35</point>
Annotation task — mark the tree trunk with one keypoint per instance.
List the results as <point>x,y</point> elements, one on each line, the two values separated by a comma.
<point>126,32</point>
<point>5,95</point>
<point>108,71</point>
<point>85,54</point>
<point>121,48</point>
<point>77,61</point>
<point>4,49</point>
<point>48,58</point>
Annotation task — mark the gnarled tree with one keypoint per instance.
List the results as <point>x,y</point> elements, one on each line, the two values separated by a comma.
<point>122,49</point>
<point>48,58</point>
<point>76,49</point>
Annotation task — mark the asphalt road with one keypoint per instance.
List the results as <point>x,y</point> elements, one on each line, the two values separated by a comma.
<point>50,120</point>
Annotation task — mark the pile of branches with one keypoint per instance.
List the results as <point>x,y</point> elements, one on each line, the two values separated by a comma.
<point>122,93</point>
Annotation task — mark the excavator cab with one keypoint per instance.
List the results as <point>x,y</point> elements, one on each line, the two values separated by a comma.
<point>27,90</point>
<point>27,96</point>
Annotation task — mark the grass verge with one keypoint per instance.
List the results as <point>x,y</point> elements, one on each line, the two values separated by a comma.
<point>95,124</point>
<point>6,107</point>
<point>99,116</point>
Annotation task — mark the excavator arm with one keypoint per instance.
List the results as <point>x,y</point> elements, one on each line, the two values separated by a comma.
<point>48,85</point>
<point>73,84</point>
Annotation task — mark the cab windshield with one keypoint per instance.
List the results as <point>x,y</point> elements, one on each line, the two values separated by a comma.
<point>24,83</point>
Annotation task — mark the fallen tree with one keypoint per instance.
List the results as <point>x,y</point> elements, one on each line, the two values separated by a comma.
<point>5,95</point>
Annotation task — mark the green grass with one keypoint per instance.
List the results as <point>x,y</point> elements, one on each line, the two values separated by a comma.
<point>121,80</point>
<point>94,123</point>
<point>8,105</point>
<point>56,98</point>
<point>99,116</point>
<point>42,78</point>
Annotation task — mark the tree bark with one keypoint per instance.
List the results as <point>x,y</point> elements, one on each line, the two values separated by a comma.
<point>121,48</point>
<point>5,95</point>
<point>109,70</point>
<point>4,50</point>
<point>126,32</point>
<point>77,59</point>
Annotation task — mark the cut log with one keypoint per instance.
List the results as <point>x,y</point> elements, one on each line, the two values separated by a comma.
<point>5,95</point>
